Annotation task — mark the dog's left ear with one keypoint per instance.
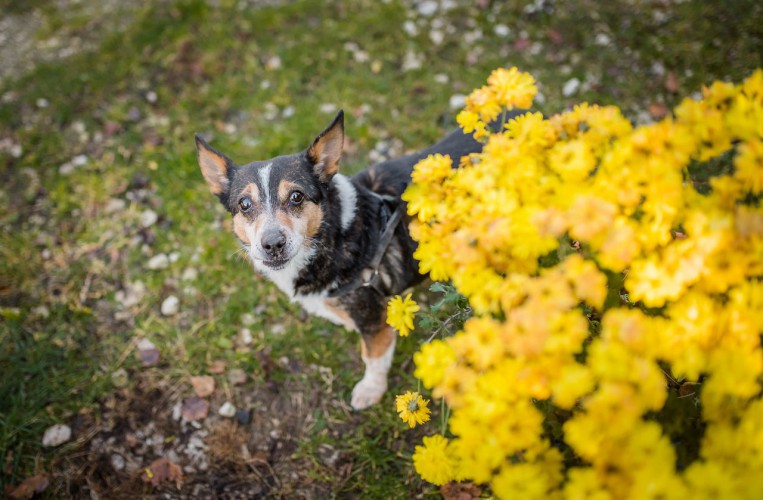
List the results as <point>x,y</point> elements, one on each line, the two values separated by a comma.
<point>326,150</point>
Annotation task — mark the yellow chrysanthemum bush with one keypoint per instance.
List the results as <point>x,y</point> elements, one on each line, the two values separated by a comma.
<point>615,280</point>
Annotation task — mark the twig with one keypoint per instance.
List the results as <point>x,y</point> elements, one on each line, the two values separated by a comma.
<point>445,323</point>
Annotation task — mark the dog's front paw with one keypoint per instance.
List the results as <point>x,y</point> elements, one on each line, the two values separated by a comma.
<point>367,392</point>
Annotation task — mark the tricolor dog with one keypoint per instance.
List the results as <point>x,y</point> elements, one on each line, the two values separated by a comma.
<point>337,245</point>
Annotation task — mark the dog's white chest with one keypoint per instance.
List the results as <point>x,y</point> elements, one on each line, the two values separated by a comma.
<point>318,305</point>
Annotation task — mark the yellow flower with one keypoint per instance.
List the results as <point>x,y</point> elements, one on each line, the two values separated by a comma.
<point>671,270</point>
<point>432,462</point>
<point>412,408</point>
<point>469,121</point>
<point>432,361</point>
<point>749,165</point>
<point>512,88</point>
<point>400,314</point>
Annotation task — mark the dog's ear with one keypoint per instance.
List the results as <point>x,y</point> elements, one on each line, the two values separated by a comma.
<point>215,167</point>
<point>326,150</point>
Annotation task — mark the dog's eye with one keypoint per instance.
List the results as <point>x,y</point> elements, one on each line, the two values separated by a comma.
<point>296,198</point>
<point>245,204</point>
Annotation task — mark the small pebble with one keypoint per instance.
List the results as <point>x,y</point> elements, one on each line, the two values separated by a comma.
<point>328,107</point>
<point>56,435</point>
<point>502,30</point>
<point>571,87</point>
<point>243,416</point>
<point>244,336</point>
<point>427,8</point>
<point>410,28</point>
<point>170,306</point>
<point>148,218</point>
<point>457,101</point>
<point>227,410</point>
<point>145,344</point>
<point>190,274</point>
<point>159,261</point>
<point>117,461</point>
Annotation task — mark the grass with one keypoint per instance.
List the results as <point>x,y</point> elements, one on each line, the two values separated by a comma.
<point>183,66</point>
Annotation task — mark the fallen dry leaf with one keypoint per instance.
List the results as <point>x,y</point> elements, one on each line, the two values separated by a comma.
<point>555,36</point>
<point>460,491</point>
<point>217,367</point>
<point>162,469</point>
<point>203,385</point>
<point>671,82</point>
<point>195,408</point>
<point>30,486</point>
<point>658,110</point>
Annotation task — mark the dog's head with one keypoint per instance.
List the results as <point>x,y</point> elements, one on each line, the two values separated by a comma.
<point>278,205</point>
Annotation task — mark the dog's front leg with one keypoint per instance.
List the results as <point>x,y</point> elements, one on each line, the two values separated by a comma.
<point>377,349</point>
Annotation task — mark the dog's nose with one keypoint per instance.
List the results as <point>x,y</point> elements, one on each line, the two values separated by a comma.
<point>273,241</point>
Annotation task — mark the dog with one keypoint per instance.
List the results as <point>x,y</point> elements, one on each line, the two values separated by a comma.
<point>337,245</point>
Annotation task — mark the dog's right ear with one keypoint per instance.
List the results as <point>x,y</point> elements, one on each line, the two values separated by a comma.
<point>215,167</point>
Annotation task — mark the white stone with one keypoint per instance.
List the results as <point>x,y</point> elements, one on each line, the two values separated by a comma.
<point>245,336</point>
<point>190,274</point>
<point>79,160</point>
<point>114,205</point>
<point>227,410</point>
<point>159,261</point>
<point>441,78</point>
<point>502,30</point>
<point>328,107</point>
<point>411,61</point>
<point>148,218</point>
<point>274,63</point>
<point>602,39</point>
<point>56,435</point>
<point>410,28</point>
<point>170,306</point>
<point>66,168</point>
<point>457,101</point>
<point>117,462</point>
<point>571,87</point>
<point>427,8</point>
<point>145,345</point>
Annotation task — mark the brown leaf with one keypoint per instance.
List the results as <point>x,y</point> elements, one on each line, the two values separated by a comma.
<point>521,44</point>
<point>460,491</point>
<point>149,357</point>
<point>195,408</point>
<point>162,469</point>
<point>217,367</point>
<point>658,110</point>
<point>671,82</point>
<point>203,385</point>
<point>30,486</point>
<point>555,36</point>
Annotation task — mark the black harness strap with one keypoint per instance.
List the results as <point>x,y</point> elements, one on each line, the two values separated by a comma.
<point>384,241</point>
